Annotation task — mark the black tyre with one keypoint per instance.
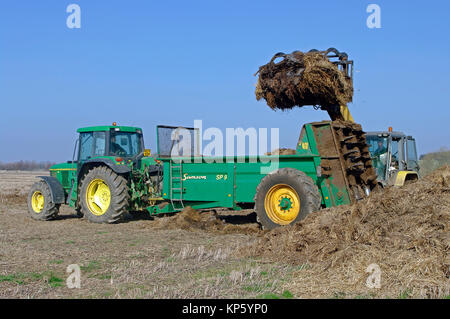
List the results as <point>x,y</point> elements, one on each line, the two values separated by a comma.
<point>40,203</point>
<point>104,195</point>
<point>285,197</point>
<point>78,212</point>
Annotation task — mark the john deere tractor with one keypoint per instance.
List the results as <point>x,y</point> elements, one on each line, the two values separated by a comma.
<point>111,161</point>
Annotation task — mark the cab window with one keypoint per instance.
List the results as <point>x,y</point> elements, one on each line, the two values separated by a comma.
<point>411,153</point>
<point>395,153</point>
<point>377,145</point>
<point>378,148</point>
<point>126,144</point>
<point>92,144</point>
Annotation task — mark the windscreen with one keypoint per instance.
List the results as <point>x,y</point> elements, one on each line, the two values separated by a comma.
<point>411,154</point>
<point>126,144</point>
<point>92,144</point>
<point>378,148</point>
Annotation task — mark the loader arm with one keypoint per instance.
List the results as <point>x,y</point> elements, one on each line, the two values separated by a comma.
<point>340,59</point>
<point>339,113</point>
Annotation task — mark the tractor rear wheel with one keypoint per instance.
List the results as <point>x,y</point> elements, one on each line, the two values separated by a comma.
<point>285,197</point>
<point>40,202</point>
<point>104,195</point>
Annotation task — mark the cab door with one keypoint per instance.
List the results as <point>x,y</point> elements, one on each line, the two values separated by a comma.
<point>412,162</point>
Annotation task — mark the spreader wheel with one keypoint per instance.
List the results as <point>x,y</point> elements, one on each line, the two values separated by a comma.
<point>285,197</point>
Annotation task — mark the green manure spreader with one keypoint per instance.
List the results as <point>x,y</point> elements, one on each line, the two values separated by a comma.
<point>112,173</point>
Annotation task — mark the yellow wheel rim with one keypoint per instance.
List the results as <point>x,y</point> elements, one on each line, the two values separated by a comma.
<point>282,204</point>
<point>37,202</point>
<point>98,197</point>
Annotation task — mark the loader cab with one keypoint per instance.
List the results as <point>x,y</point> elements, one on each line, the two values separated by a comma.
<point>394,157</point>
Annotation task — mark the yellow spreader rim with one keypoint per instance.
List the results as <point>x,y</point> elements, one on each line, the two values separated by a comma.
<point>282,204</point>
<point>37,202</point>
<point>98,197</point>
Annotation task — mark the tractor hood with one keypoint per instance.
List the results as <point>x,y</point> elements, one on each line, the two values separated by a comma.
<point>64,166</point>
<point>149,161</point>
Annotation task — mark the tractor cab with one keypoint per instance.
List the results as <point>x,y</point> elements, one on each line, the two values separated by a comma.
<point>394,157</point>
<point>99,141</point>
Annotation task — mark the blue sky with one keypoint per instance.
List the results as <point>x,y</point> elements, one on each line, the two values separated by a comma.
<point>145,63</point>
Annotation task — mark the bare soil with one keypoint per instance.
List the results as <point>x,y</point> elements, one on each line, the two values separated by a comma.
<point>180,256</point>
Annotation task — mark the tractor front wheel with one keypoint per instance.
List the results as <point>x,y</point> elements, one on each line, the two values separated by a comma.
<point>104,195</point>
<point>40,203</point>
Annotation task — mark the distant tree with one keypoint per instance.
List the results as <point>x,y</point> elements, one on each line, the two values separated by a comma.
<point>26,166</point>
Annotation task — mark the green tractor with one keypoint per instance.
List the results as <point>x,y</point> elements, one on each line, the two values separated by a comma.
<point>112,174</point>
<point>394,156</point>
<point>110,161</point>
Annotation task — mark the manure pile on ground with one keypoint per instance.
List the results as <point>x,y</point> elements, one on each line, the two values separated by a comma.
<point>405,231</point>
<point>191,219</point>
<point>302,79</point>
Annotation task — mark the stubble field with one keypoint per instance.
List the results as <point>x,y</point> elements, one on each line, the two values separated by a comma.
<point>224,254</point>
